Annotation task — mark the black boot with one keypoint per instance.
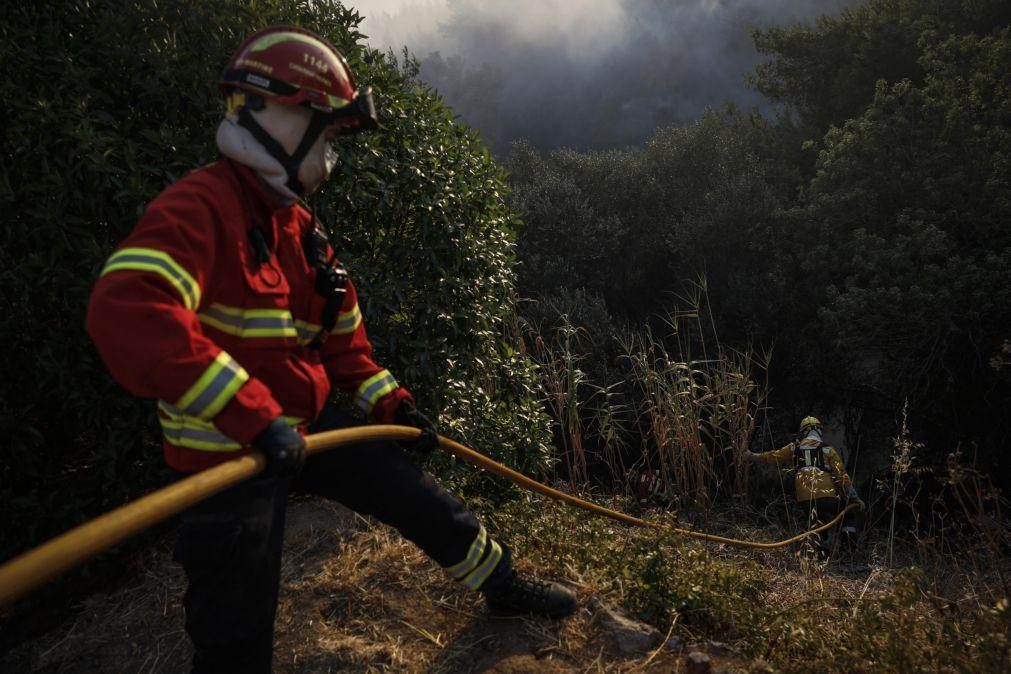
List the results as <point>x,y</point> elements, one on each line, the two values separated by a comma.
<point>515,594</point>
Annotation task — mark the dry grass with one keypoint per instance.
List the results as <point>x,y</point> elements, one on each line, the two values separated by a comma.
<point>675,401</point>
<point>355,598</point>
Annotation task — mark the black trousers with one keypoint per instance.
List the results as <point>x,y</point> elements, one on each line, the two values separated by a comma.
<point>815,513</point>
<point>822,510</point>
<point>230,544</point>
<point>819,511</point>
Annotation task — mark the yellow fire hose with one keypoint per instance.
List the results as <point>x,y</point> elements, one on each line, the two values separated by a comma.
<point>25,573</point>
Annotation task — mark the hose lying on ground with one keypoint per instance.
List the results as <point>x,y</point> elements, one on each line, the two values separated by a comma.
<point>28,571</point>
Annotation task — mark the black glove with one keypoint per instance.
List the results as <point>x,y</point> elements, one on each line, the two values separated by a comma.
<point>283,448</point>
<point>408,415</point>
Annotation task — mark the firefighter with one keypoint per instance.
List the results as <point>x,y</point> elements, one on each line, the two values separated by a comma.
<point>821,484</point>
<point>227,305</point>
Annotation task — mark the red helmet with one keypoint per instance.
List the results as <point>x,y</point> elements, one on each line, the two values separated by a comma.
<point>294,66</point>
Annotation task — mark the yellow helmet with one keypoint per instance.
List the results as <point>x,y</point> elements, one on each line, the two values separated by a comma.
<point>809,424</point>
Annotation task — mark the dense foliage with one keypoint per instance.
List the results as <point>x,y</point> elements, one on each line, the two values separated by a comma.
<point>862,236</point>
<point>109,102</point>
<point>827,73</point>
<point>945,611</point>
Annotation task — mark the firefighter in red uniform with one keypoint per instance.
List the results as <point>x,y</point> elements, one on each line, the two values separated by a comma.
<point>227,304</point>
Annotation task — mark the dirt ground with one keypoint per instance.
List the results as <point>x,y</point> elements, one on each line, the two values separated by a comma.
<point>355,597</point>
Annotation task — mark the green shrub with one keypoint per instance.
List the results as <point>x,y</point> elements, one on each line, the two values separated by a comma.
<point>106,103</point>
<point>655,575</point>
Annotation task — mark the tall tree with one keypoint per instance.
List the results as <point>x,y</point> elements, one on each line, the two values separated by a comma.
<point>827,74</point>
<point>906,223</point>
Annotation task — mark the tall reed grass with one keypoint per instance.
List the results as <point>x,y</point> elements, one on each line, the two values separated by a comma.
<point>676,402</point>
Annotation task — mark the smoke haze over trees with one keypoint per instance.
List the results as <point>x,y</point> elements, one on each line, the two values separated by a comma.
<point>813,231</point>
<point>865,237</point>
<point>587,74</point>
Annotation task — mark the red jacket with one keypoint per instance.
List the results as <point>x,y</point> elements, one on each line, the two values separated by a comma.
<point>183,312</point>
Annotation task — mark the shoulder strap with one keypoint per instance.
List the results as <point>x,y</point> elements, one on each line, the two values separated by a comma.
<point>822,463</point>
<point>331,277</point>
<point>804,457</point>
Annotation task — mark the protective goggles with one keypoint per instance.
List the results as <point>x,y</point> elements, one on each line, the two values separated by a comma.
<point>361,110</point>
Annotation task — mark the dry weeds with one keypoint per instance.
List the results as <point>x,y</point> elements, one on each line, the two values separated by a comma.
<point>355,598</point>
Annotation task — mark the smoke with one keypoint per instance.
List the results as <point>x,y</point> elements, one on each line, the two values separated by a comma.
<point>587,74</point>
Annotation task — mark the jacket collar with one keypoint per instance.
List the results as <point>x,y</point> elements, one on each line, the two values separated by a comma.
<point>258,194</point>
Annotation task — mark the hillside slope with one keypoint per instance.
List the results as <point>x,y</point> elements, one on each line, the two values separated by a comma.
<point>355,597</point>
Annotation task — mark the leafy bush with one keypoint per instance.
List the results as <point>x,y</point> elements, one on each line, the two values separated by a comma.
<point>109,102</point>
<point>910,204</point>
<point>637,226</point>
<point>827,73</point>
<point>654,574</point>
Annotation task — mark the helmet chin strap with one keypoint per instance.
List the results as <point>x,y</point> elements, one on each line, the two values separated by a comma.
<point>290,162</point>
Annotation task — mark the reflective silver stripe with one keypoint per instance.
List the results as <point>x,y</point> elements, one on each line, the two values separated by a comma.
<point>477,577</point>
<point>374,388</point>
<point>178,415</point>
<point>174,411</point>
<point>215,387</point>
<point>208,441</point>
<point>194,433</point>
<point>460,570</point>
<point>348,321</point>
<point>249,323</point>
<point>306,331</point>
<point>159,262</point>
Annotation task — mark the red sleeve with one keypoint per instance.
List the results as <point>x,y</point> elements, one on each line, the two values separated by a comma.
<point>347,356</point>
<point>142,318</point>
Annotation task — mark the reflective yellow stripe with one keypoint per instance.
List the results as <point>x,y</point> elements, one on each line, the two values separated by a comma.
<point>252,323</point>
<point>215,387</point>
<point>158,262</point>
<point>477,577</point>
<point>181,434</point>
<point>249,323</point>
<point>177,414</point>
<point>460,570</point>
<point>186,431</point>
<point>374,388</point>
<point>268,41</point>
<point>347,321</point>
<point>306,331</point>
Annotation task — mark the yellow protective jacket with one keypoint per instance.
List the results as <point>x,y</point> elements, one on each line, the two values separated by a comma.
<point>818,470</point>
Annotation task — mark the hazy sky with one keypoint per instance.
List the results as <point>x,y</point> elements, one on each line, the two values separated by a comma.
<point>582,73</point>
